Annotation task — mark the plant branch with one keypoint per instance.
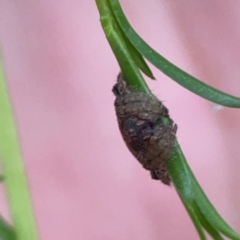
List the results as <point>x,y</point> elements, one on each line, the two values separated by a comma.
<point>14,173</point>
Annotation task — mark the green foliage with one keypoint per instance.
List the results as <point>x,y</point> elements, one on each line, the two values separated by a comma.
<point>119,33</point>
<point>13,170</point>
<point>6,231</point>
<point>186,80</point>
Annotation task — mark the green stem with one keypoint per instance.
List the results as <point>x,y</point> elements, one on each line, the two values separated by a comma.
<point>206,224</point>
<point>15,177</point>
<point>196,222</point>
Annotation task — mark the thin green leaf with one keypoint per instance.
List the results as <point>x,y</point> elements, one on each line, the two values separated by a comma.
<point>116,40</point>
<point>13,169</point>
<point>212,216</point>
<point>6,230</point>
<point>190,192</point>
<point>207,226</point>
<point>196,222</point>
<point>181,77</point>
<point>139,60</point>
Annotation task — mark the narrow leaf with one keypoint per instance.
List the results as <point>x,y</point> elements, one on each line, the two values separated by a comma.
<point>196,222</point>
<point>119,47</point>
<point>207,226</point>
<point>178,75</point>
<point>6,231</point>
<point>212,216</point>
<point>190,192</point>
<point>139,60</point>
<point>13,170</point>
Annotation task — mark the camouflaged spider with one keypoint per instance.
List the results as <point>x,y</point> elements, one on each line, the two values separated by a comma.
<point>146,128</point>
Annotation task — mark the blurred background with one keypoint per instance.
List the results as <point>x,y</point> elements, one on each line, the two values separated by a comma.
<point>60,70</point>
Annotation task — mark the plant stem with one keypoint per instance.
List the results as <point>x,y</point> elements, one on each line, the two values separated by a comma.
<point>13,170</point>
<point>119,46</point>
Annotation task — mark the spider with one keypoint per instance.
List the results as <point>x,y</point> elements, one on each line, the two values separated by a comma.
<point>146,128</point>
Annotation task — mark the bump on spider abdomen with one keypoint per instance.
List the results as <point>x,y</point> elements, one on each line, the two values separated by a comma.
<point>146,128</point>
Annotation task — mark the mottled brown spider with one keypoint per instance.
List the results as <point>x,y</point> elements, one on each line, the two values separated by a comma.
<point>146,128</point>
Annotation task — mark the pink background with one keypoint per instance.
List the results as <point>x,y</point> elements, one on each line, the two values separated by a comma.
<point>60,71</point>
